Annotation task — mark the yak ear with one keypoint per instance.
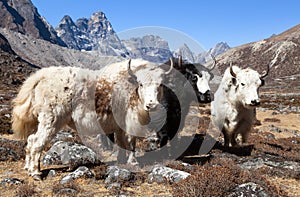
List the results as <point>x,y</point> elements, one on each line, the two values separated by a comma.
<point>262,82</point>
<point>229,83</point>
<point>233,81</point>
<point>132,80</point>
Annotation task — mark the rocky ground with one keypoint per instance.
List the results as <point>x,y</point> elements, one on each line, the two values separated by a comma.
<point>268,165</point>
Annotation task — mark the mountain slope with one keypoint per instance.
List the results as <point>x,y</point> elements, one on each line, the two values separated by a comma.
<point>5,46</point>
<point>21,16</point>
<point>44,54</point>
<point>281,52</point>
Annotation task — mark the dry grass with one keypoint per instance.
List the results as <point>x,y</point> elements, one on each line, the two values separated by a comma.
<point>211,180</point>
<point>213,176</point>
<point>25,190</point>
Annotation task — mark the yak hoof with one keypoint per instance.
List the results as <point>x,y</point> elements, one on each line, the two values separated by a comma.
<point>133,162</point>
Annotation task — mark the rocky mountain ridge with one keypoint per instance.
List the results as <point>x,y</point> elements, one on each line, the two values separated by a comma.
<point>148,47</point>
<point>21,16</point>
<point>44,54</point>
<point>22,24</point>
<point>203,57</point>
<point>93,34</point>
<point>85,34</point>
<point>97,34</point>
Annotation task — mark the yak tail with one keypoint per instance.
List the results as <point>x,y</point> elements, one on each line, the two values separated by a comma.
<point>24,123</point>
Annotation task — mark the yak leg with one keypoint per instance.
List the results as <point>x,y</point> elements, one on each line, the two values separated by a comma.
<point>122,145</point>
<point>229,138</point>
<point>27,153</point>
<point>131,158</point>
<point>107,141</point>
<point>126,145</point>
<point>241,128</point>
<point>233,141</point>
<point>226,137</point>
<point>36,142</point>
<point>244,130</point>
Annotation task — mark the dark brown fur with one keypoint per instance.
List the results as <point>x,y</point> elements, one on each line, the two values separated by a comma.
<point>103,97</point>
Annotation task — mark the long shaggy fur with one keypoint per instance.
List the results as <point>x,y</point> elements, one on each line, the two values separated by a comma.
<point>24,122</point>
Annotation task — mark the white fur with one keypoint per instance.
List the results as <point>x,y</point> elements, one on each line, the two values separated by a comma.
<point>48,100</point>
<point>203,82</point>
<point>57,96</point>
<point>231,109</point>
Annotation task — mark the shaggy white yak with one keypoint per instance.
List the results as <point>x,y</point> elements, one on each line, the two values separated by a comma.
<point>83,99</point>
<point>48,100</point>
<point>235,100</point>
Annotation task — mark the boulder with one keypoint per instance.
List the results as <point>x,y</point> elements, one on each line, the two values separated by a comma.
<point>249,189</point>
<point>82,171</point>
<point>115,174</point>
<point>160,173</point>
<point>69,154</point>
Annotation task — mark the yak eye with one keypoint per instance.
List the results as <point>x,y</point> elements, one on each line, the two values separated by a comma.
<point>242,84</point>
<point>194,78</point>
<point>141,85</point>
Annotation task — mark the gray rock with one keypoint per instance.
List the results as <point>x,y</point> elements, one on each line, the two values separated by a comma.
<point>249,189</point>
<point>115,174</point>
<point>253,164</point>
<point>10,150</point>
<point>11,181</point>
<point>270,162</point>
<point>67,192</point>
<point>51,173</point>
<point>160,173</point>
<point>274,113</point>
<point>114,186</point>
<point>61,136</point>
<point>70,154</point>
<point>274,129</point>
<point>80,172</point>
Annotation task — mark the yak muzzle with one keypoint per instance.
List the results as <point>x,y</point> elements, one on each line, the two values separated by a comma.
<point>207,97</point>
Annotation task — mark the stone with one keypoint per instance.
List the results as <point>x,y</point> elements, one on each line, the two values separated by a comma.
<point>249,189</point>
<point>66,192</point>
<point>160,173</point>
<point>61,136</point>
<point>115,174</point>
<point>11,181</point>
<point>69,154</point>
<point>51,173</point>
<point>78,173</point>
<point>114,186</point>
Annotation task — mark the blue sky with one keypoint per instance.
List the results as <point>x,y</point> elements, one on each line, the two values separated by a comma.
<point>206,22</point>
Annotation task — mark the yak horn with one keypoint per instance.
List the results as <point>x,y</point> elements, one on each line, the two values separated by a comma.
<point>130,72</point>
<point>214,64</point>
<point>231,71</point>
<point>180,60</point>
<point>171,67</point>
<point>265,73</point>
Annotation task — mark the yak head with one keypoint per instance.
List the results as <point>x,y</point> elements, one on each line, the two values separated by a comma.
<point>149,81</point>
<point>245,84</point>
<point>198,76</point>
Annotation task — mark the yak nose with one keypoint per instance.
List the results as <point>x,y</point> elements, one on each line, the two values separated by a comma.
<point>255,102</point>
<point>151,106</point>
<point>207,97</point>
